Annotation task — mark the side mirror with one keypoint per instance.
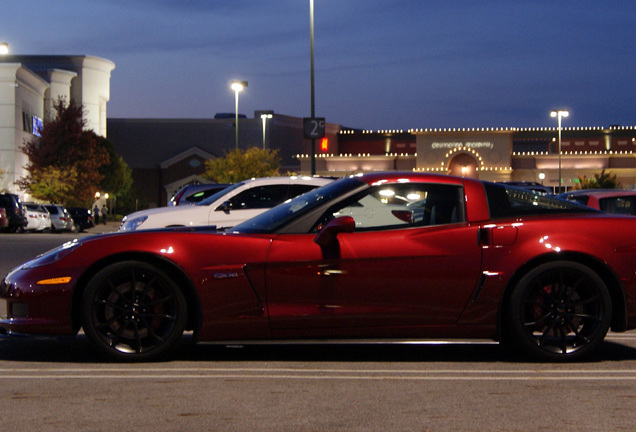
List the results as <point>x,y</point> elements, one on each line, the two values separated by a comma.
<point>329,233</point>
<point>225,207</point>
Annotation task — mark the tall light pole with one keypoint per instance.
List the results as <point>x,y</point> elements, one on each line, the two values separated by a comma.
<point>237,86</point>
<point>559,114</point>
<point>264,117</point>
<point>313,100</point>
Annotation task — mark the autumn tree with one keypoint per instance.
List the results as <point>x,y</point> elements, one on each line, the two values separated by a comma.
<point>64,147</point>
<point>52,184</point>
<point>240,164</point>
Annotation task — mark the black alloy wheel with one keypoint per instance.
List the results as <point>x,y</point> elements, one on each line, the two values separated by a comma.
<point>133,311</point>
<point>559,311</point>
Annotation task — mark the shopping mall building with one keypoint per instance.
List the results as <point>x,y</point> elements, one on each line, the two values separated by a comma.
<point>165,154</point>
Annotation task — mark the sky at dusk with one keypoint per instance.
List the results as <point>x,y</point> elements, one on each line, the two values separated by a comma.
<point>379,64</point>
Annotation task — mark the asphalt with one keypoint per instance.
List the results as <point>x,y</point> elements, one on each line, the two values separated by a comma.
<point>110,226</point>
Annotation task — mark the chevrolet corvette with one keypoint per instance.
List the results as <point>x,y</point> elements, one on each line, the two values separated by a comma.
<point>379,256</point>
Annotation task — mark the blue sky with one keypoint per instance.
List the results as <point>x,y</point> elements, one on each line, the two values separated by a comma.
<point>379,64</point>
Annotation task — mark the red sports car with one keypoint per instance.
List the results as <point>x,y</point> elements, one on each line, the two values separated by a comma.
<point>391,256</point>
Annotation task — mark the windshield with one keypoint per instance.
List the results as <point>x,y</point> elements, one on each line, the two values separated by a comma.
<point>212,198</point>
<point>278,216</point>
<point>507,201</point>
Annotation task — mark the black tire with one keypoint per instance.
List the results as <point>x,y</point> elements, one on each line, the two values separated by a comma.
<point>559,311</point>
<point>133,311</point>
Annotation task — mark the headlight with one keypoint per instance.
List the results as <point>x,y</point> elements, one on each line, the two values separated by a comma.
<point>132,224</point>
<point>52,255</point>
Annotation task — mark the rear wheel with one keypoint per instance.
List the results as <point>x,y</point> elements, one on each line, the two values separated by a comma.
<point>133,311</point>
<point>559,311</point>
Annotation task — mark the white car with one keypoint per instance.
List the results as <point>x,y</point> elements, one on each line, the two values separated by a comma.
<point>228,207</point>
<point>38,217</point>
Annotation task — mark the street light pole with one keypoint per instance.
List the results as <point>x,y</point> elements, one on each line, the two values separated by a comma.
<point>313,100</point>
<point>264,117</point>
<point>559,114</point>
<point>237,86</point>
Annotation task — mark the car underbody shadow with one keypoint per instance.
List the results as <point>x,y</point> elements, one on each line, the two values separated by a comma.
<point>79,350</point>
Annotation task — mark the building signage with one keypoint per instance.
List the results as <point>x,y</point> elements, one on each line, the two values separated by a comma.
<point>470,144</point>
<point>314,127</point>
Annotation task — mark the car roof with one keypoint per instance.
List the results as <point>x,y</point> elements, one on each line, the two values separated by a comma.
<point>405,176</point>
<point>599,193</point>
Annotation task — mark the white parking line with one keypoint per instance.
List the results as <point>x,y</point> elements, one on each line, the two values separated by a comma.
<point>320,374</point>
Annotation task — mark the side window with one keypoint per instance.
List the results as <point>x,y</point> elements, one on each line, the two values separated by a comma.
<point>201,195</point>
<point>298,189</point>
<point>402,205</point>
<point>259,197</point>
<point>618,205</point>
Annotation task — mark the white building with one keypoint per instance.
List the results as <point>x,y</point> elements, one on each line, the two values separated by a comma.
<point>29,86</point>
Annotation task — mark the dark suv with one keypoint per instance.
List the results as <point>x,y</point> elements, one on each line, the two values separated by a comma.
<point>16,213</point>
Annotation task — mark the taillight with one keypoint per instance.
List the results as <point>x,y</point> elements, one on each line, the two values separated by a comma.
<point>178,197</point>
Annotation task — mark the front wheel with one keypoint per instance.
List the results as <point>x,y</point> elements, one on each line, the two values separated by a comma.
<point>133,311</point>
<point>559,311</point>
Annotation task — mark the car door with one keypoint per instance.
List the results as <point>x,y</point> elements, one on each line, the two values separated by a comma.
<point>418,270</point>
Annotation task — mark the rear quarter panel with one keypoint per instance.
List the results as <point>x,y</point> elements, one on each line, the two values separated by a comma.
<point>600,239</point>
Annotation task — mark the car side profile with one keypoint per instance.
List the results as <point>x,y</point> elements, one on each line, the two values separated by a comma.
<point>228,207</point>
<point>466,259</point>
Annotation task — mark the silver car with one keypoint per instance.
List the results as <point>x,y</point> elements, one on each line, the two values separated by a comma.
<point>60,219</point>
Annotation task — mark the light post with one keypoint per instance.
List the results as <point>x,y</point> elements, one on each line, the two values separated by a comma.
<point>312,155</point>
<point>237,86</point>
<point>4,48</point>
<point>559,115</point>
<point>264,117</point>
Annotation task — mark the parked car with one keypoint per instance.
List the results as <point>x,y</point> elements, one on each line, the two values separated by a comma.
<point>38,217</point>
<point>192,194</point>
<point>228,207</point>
<point>60,219</point>
<point>82,218</point>
<point>544,276</point>
<point>615,201</point>
<point>533,186</point>
<point>16,213</point>
<point>4,220</point>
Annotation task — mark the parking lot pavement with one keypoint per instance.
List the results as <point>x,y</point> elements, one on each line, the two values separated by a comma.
<point>110,226</point>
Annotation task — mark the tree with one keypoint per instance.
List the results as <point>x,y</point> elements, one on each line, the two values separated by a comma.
<point>52,184</point>
<point>64,146</point>
<point>599,181</point>
<point>117,175</point>
<point>239,165</point>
